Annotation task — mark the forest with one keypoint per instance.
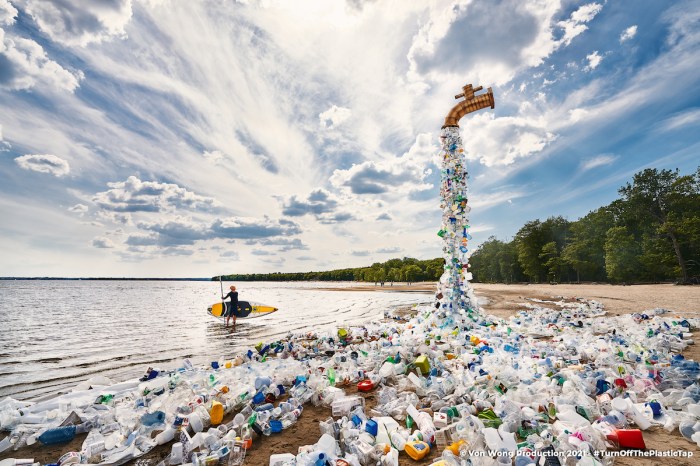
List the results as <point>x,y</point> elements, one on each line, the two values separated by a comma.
<point>650,234</point>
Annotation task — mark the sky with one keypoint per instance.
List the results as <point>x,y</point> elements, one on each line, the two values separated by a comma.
<point>167,138</point>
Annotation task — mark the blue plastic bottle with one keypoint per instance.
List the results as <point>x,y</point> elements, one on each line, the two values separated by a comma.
<point>151,419</point>
<point>57,435</point>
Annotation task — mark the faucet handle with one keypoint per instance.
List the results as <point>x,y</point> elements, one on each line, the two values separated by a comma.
<point>468,92</point>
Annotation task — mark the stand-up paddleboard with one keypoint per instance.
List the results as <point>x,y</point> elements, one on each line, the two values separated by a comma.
<point>246,310</point>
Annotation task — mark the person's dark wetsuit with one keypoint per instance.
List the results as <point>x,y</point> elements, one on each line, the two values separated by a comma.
<point>233,307</point>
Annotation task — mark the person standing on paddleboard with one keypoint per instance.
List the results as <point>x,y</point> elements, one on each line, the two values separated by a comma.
<point>233,307</point>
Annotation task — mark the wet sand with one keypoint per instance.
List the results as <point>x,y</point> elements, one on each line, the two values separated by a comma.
<point>503,301</point>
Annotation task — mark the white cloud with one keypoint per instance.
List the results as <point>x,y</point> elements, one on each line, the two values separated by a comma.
<point>8,13</point>
<point>594,60</point>
<point>215,156</point>
<point>44,163</point>
<point>485,201</point>
<point>523,38</point>
<point>76,22</point>
<point>102,243</point>
<point>681,120</point>
<point>4,145</point>
<point>80,209</point>
<point>598,161</point>
<point>576,24</point>
<point>501,141</point>
<point>25,64</point>
<point>134,195</point>
<point>114,217</point>
<point>389,250</point>
<point>628,33</point>
<point>404,174</point>
<point>334,116</point>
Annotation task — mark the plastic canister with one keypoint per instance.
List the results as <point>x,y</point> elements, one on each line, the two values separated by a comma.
<point>423,364</point>
<point>417,450</point>
<point>216,413</point>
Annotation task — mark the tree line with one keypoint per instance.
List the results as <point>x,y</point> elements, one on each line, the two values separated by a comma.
<point>650,234</point>
<point>394,270</point>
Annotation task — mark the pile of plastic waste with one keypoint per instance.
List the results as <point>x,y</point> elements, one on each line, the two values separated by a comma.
<point>460,383</point>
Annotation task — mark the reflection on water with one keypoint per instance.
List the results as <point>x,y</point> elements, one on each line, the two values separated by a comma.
<point>58,333</point>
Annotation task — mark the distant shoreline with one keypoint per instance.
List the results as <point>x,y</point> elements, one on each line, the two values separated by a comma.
<point>109,279</point>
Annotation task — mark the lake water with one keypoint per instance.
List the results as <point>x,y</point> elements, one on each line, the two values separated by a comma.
<point>57,333</point>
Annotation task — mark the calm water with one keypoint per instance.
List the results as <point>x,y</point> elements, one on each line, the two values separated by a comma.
<point>58,333</point>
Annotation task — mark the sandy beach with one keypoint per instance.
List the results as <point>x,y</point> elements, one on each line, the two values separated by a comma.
<point>503,301</point>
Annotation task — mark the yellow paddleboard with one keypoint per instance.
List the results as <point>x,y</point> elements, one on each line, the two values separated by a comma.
<point>246,310</point>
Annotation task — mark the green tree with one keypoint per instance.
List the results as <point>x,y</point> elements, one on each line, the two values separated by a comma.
<point>585,249</point>
<point>670,203</point>
<point>529,242</point>
<point>657,259</point>
<point>412,273</point>
<point>508,263</point>
<point>552,260</point>
<point>393,275</point>
<point>621,254</point>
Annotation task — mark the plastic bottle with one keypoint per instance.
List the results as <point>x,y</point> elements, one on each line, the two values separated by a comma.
<point>152,419</point>
<point>58,435</point>
<point>16,462</point>
<point>166,436</point>
<point>398,440</point>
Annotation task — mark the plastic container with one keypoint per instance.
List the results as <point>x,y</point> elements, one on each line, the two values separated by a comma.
<point>371,427</point>
<point>280,459</point>
<point>152,419</point>
<point>196,422</point>
<point>628,438</point>
<point>417,450</point>
<point>423,364</point>
<point>57,435</point>
<point>216,413</point>
<point>166,436</point>
<point>365,386</point>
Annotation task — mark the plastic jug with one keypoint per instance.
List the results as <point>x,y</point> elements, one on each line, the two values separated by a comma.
<point>417,450</point>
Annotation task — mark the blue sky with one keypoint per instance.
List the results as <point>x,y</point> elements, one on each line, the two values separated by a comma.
<point>173,138</point>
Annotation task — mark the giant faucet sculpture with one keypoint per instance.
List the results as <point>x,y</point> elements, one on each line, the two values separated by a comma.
<point>454,292</point>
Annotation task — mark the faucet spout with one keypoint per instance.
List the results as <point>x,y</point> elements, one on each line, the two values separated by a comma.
<point>471,103</point>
